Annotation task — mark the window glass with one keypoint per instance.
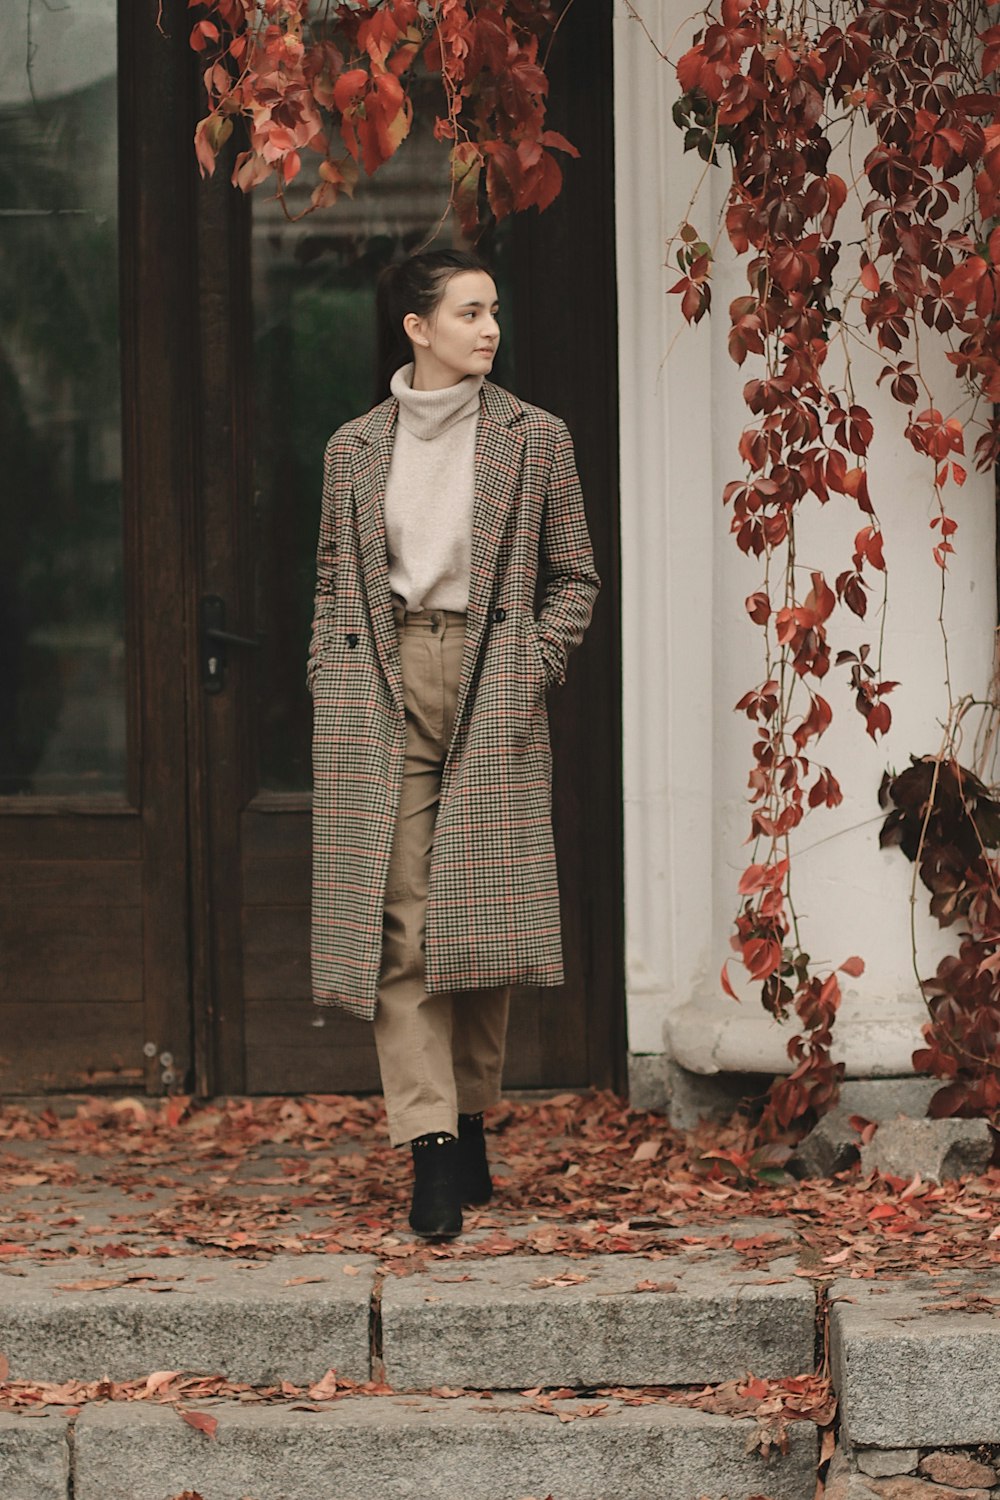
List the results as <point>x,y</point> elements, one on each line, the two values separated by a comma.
<point>314,368</point>
<point>62,681</point>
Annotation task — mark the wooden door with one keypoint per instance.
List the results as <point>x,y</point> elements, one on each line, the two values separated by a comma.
<point>307,350</point>
<point>95,926</point>
<point>156,907</point>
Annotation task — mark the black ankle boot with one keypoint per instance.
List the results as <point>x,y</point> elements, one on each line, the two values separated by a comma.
<point>436,1211</point>
<point>475,1182</point>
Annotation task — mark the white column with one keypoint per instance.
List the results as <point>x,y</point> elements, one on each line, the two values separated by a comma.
<point>667,506</point>
<point>690,651</point>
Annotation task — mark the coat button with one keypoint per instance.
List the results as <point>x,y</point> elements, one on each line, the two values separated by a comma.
<point>352,639</point>
<point>500,613</point>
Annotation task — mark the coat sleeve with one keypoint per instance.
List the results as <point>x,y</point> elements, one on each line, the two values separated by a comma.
<point>326,556</point>
<point>569,579</point>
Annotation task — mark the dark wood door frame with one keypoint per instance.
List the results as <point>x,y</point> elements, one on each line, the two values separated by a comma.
<point>158,340</point>
<point>566,312</point>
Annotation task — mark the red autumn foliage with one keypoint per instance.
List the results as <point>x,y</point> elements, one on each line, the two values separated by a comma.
<point>946,820</point>
<point>775,87</point>
<point>332,82</point>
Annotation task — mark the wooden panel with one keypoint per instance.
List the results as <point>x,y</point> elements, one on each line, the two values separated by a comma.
<point>526,1064</point>
<point>277,882</point>
<point>277,832</point>
<point>71,882</point>
<point>34,835</point>
<point>276,953</point>
<point>93,1046</point>
<point>289,1052</point>
<point>81,953</point>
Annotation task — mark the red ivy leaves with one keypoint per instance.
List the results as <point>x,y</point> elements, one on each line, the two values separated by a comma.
<point>943,817</point>
<point>303,80</point>
<point>768,94</point>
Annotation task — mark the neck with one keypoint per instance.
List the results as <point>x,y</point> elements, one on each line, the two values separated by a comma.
<point>430,374</point>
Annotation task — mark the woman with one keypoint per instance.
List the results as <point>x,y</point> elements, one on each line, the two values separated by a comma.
<point>434,874</point>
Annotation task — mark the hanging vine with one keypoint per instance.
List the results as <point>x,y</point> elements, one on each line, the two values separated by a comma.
<point>329,82</point>
<point>774,86</point>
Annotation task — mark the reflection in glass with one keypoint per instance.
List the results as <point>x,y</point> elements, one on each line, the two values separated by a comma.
<point>62,695</point>
<point>314,362</point>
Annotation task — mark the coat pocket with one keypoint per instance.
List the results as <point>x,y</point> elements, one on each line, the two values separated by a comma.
<point>536,645</point>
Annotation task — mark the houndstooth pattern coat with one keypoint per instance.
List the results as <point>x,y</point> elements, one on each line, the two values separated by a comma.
<point>493,896</point>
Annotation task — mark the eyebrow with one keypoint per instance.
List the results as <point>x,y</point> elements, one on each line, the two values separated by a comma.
<point>494,303</point>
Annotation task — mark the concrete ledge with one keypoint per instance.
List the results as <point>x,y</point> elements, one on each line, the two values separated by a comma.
<point>389,1448</point>
<point>647,1081</point>
<point>909,1376</point>
<point>487,1324</point>
<point>713,1035</point>
<point>34,1457</point>
<point>196,1313</point>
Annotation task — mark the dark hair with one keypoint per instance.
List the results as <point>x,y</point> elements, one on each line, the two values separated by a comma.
<point>415,285</point>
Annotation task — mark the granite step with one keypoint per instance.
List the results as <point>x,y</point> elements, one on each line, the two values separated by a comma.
<point>502,1322</point>
<point>257,1322</point>
<point>519,1321</point>
<point>401,1448</point>
<point>916,1362</point>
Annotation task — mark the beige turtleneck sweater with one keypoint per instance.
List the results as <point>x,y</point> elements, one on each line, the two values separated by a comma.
<point>429,492</point>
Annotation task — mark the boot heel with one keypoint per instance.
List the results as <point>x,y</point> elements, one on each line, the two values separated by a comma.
<point>475,1182</point>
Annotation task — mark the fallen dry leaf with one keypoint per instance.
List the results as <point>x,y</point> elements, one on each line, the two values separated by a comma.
<point>568,1278</point>
<point>94,1284</point>
<point>199,1420</point>
<point>325,1388</point>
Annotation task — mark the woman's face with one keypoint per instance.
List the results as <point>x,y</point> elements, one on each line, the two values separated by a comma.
<point>460,336</point>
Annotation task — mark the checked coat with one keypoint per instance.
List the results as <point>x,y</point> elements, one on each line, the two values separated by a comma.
<point>493,898</point>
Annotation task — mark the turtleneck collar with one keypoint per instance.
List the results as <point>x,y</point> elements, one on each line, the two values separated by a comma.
<point>429,413</point>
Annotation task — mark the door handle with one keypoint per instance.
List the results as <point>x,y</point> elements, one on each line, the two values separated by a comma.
<point>214,640</point>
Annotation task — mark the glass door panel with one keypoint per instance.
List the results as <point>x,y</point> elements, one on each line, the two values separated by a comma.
<point>62,652</point>
<point>314,368</point>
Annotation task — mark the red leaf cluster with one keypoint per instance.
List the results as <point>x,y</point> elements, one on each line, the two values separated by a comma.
<point>775,88</point>
<point>945,819</point>
<point>332,80</point>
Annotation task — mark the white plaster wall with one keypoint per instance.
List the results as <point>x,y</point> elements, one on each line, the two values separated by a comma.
<point>690,650</point>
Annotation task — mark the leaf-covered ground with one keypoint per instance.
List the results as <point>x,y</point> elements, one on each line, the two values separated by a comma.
<point>576,1174</point>
<point>96,1181</point>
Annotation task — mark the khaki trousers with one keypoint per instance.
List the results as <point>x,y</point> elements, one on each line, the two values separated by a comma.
<point>438,1054</point>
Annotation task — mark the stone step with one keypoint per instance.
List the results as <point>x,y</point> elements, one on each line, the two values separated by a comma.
<point>502,1322</point>
<point>916,1363</point>
<point>399,1448</point>
<point>258,1322</point>
<point>519,1321</point>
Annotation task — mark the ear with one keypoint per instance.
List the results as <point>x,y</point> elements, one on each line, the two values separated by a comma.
<point>413,327</point>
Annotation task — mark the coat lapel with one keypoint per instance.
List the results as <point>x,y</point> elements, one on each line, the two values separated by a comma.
<point>369,473</point>
<point>499,450</point>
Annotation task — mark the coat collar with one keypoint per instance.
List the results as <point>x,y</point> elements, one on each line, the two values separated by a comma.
<point>499,444</point>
